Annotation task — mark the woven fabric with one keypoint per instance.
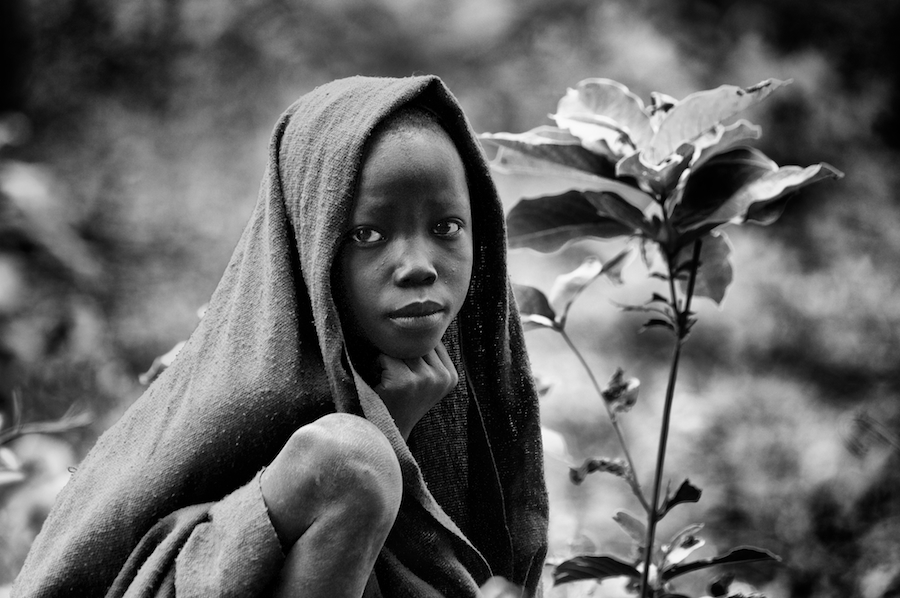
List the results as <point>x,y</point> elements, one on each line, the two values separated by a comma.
<point>162,491</point>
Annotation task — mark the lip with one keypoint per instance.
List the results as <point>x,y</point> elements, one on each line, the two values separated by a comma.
<point>417,309</point>
<point>421,316</point>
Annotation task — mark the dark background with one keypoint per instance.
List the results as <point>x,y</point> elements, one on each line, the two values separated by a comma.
<point>133,139</point>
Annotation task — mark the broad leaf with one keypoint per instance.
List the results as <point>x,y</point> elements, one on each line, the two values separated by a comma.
<point>519,175</point>
<point>682,544</point>
<point>613,206</point>
<point>568,286</point>
<point>548,223</point>
<point>604,114</point>
<point>753,199</point>
<point>721,139</point>
<point>718,180</point>
<point>534,309</point>
<point>554,145</point>
<point>635,529</point>
<point>592,567</point>
<point>715,274</point>
<point>687,492</point>
<point>742,554</point>
<point>741,185</point>
<point>658,179</point>
<point>682,550</point>
<point>701,111</point>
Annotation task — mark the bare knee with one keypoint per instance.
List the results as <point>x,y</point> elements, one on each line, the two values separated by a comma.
<point>339,466</point>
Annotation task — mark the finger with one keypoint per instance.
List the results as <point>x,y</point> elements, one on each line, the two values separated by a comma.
<point>390,363</point>
<point>442,354</point>
<point>432,359</point>
<point>448,365</point>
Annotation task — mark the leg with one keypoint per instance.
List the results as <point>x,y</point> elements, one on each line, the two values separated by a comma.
<point>333,493</point>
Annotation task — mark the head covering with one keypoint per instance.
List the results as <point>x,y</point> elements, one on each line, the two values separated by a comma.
<point>269,356</point>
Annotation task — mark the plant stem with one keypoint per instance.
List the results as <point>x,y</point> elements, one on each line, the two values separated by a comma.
<point>660,464</point>
<point>633,478</point>
<point>681,329</point>
<point>63,425</point>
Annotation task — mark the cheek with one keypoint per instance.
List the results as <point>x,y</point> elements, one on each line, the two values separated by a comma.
<point>461,272</point>
<point>347,287</point>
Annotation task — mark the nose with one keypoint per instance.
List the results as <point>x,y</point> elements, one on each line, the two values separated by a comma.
<point>414,265</point>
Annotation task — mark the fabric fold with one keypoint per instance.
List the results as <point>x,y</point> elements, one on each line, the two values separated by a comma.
<point>267,358</point>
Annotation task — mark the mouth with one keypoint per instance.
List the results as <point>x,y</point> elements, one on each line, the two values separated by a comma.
<point>417,309</point>
<point>418,315</point>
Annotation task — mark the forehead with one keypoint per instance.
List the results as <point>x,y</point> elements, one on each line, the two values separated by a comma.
<point>411,163</point>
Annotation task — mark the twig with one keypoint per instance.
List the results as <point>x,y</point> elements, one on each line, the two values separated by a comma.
<point>633,478</point>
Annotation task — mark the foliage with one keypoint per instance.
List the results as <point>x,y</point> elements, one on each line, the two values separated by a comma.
<point>11,471</point>
<point>668,177</point>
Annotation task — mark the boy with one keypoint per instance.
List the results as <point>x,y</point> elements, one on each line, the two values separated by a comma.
<point>355,413</point>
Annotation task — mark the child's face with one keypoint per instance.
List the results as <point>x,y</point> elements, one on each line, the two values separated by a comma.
<point>406,262</point>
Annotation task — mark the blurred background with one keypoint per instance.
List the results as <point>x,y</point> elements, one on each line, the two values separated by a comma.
<point>133,136</point>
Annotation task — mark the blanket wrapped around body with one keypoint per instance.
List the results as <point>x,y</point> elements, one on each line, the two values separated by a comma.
<point>168,501</point>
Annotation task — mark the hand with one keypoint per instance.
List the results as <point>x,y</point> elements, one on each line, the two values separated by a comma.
<point>410,387</point>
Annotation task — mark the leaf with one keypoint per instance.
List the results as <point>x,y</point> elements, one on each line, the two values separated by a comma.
<point>713,184</point>
<point>687,492</point>
<point>741,554</point>
<point>722,138</point>
<point>613,267</point>
<point>657,323</point>
<point>519,175</point>
<point>701,111</point>
<point>658,179</point>
<point>568,286</point>
<point>619,209</point>
<point>682,544</point>
<point>681,551</point>
<point>719,587</point>
<point>691,530</point>
<point>620,393</point>
<point>617,467</point>
<point>738,185</point>
<point>592,567</point>
<point>554,145</point>
<point>606,116</point>
<point>749,202</point>
<point>10,467</point>
<point>548,223</point>
<point>534,308</point>
<point>635,529</point>
<point>771,190</point>
<point>555,445</point>
<point>715,274</point>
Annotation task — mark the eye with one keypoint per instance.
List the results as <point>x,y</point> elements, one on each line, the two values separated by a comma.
<point>365,235</point>
<point>448,228</point>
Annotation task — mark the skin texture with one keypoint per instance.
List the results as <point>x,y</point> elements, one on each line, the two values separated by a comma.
<point>333,493</point>
<point>402,276</point>
<point>409,250</point>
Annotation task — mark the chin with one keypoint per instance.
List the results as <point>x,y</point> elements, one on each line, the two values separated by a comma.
<point>409,352</point>
<point>411,349</point>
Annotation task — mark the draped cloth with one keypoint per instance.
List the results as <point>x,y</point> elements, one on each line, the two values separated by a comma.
<point>168,500</point>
